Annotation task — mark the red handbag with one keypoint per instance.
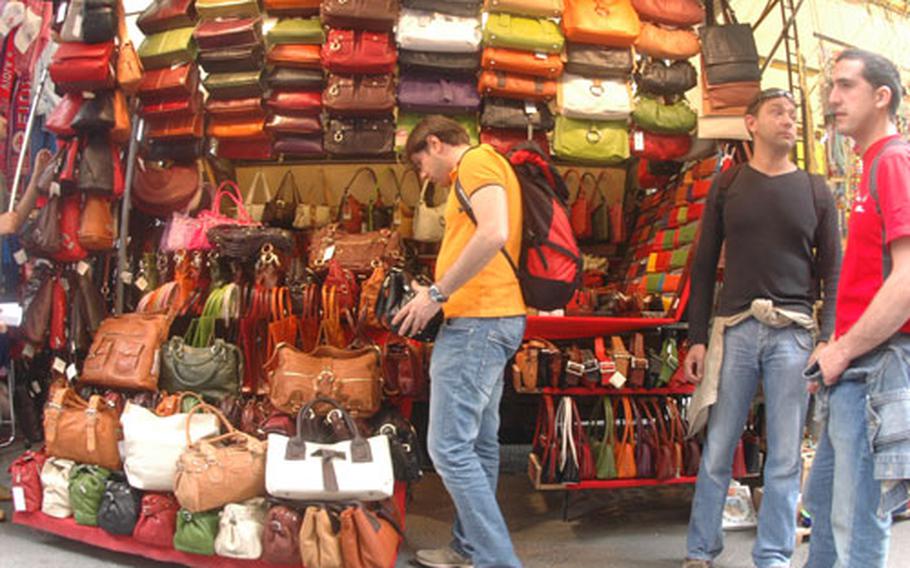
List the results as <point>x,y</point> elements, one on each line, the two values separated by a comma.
<point>233,107</point>
<point>350,51</point>
<point>259,148</point>
<point>83,67</point>
<point>25,481</point>
<point>295,103</point>
<point>280,124</point>
<point>169,82</point>
<point>657,146</point>
<point>58,316</point>
<point>70,221</point>
<point>176,127</point>
<point>157,520</point>
<point>502,139</point>
<point>182,106</point>
<point>61,118</point>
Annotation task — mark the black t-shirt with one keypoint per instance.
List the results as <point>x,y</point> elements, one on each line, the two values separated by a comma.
<point>771,225</point>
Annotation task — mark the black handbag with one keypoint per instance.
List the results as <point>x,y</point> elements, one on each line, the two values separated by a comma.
<point>179,151</point>
<point>455,62</point>
<point>462,8</point>
<point>120,506</point>
<point>597,61</point>
<point>281,208</point>
<point>659,78</point>
<point>232,59</point>
<point>99,23</point>
<point>41,236</point>
<point>728,51</point>
<point>287,77</point>
<point>96,169</point>
<point>396,291</point>
<point>238,241</point>
<point>360,136</point>
<point>95,114</point>
<point>404,443</point>
<point>513,113</point>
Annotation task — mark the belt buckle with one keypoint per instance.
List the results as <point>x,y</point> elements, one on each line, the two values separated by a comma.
<point>574,368</point>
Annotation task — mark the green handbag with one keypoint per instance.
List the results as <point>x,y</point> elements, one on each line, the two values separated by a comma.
<point>306,31</point>
<point>602,446</point>
<point>523,33</point>
<point>213,372</point>
<point>211,9</point>
<point>167,48</point>
<point>679,257</point>
<point>591,141</point>
<point>407,121</point>
<point>652,115</point>
<point>669,362</point>
<point>242,84</point>
<point>201,330</point>
<point>86,487</point>
<point>196,532</point>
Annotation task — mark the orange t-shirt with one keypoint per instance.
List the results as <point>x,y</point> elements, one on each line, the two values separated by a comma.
<point>494,291</point>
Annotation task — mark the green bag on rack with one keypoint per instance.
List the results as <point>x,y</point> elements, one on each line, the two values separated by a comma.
<point>196,532</point>
<point>306,31</point>
<point>669,362</point>
<point>408,120</point>
<point>652,115</point>
<point>86,487</point>
<point>201,331</point>
<point>239,85</point>
<point>679,257</point>
<point>523,33</point>
<point>591,141</point>
<point>168,48</point>
<point>211,9</point>
<point>602,447</point>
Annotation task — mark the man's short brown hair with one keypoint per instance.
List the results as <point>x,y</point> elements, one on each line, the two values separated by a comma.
<point>447,130</point>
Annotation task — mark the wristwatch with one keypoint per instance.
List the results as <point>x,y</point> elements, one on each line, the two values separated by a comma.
<point>436,295</point>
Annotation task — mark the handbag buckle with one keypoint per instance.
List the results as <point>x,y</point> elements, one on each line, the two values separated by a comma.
<point>575,368</point>
<point>335,45</point>
<point>596,89</point>
<point>325,376</point>
<point>338,136</point>
<point>593,136</point>
<point>334,90</point>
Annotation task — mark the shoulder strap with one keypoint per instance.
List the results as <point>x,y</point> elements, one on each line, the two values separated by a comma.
<point>465,203</point>
<point>873,192</point>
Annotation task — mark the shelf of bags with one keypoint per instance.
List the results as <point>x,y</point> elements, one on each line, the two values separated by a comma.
<point>534,476</point>
<point>574,327</point>
<point>610,391</point>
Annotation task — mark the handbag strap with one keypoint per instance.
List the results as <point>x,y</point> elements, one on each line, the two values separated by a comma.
<point>259,181</point>
<point>211,410</point>
<point>347,188</point>
<point>230,190</point>
<point>399,183</point>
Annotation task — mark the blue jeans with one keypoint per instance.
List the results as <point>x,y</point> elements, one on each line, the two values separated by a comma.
<point>755,352</point>
<point>466,381</point>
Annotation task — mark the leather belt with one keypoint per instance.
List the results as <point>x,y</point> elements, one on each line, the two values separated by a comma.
<point>608,374</point>
<point>582,366</point>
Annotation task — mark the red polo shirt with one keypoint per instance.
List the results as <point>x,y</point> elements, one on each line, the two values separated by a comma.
<point>862,271</point>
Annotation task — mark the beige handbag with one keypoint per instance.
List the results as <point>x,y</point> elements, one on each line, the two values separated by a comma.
<point>593,99</point>
<point>55,480</point>
<point>402,212</point>
<point>310,214</point>
<point>320,545</point>
<point>254,203</point>
<point>240,529</point>
<point>429,220</point>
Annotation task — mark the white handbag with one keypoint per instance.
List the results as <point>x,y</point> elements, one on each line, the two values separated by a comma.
<point>593,99</point>
<point>432,31</point>
<point>152,444</point>
<point>240,529</point>
<point>310,214</point>
<point>429,220</point>
<point>55,481</point>
<point>358,469</point>
<point>254,203</point>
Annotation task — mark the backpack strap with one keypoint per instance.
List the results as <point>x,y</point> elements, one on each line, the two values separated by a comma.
<point>873,191</point>
<point>465,203</point>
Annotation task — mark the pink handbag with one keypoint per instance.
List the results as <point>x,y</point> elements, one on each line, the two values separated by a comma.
<point>180,232</point>
<point>213,217</point>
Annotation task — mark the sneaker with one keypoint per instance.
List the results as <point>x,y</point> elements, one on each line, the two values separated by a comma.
<point>696,563</point>
<point>442,558</point>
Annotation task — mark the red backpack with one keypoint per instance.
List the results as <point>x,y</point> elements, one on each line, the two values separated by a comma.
<point>549,268</point>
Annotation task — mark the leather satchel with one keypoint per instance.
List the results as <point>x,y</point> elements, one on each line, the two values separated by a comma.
<point>83,431</point>
<point>213,472</point>
<point>661,78</point>
<point>591,141</point>
<point>512,113</point>
<point>598,61</point>
<point>352,51</point>
<point>42,236</point>
<point>352,377</point>
<point>234,32</point>
<point>296,56</point>
<point>97,228</point>
<point>281,537</point>
<point>679,13</point>
<point>355,252</point>
<point>169,83</point>
<point>378,15</point>
<point>95,172</point>
<point>86,487</point>
<point>593,99</point>
<point>99,21</point>
<point>320,546</point>
<point>214,372</point>
<point>522,33</point>
<point>77,67</point>
<point>196,532</point>
<point>547,65</point>
<point>612,23</point>
<point>437,93</point>
<point>95,114</point>
<point>291,78</point>
<point>645,441</point>
<point>360,136</point>
<point>728,51</point>
<point>419,30</point>
<point>359,95</point>
<point>500,84</point>
<point>119,508</point>
<point>369,538</point>
<point>162,15</point>
<point>663,43</point>
<point>124,353</point>
<point>168,48</point>
<point>463,63</point>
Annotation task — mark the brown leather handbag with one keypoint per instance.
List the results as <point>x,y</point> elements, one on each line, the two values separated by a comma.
<point>233,107</point>
<point>500,84</point>
<point>96,230</point>
<point>679,13</point>
<point>320,545</point>
<point>547,65</point>
<point>360,136</point>
<point>353,377</point>
<point>355,252</point>
<point>666,451</point>
<point>124,353</point>
<point>83,431</point>
<point>176,127</point>
<point>624,448</point>
<point>293,55</point>
<point>162,191</point>
<point>379,15</point>
<point>281,537</point>
<point>664,43</point>
<point>129,68</point>
<point>363,94</point>
<point>177,81</point>
<point>213,472</point>
<point>369,539</point>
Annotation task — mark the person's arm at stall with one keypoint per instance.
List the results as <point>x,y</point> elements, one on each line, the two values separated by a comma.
<point>11,221</point>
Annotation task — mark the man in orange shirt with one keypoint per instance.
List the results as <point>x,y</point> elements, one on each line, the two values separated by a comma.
<point>480,296</point>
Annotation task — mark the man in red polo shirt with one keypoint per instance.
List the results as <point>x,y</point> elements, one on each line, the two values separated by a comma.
<point>861,471</point>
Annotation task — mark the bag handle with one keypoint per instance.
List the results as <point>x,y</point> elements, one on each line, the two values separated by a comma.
<point>259,181</point>
<point>283,192</point>
<point>360,447</point>
<point>230,190</point>
<point>347,188</point>
<point>581,187</point>
<point>400,182</point>
<point>211,410</point>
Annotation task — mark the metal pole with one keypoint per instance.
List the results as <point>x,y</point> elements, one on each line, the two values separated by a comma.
<point>28,134</point>
<point>780,38</point>
<point>138,126</point>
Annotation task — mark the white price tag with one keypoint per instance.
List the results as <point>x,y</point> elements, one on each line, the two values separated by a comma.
<point>18,498</point>
<point>71,372</point>
<point>329,253</point>
<point>54,189</point>
<point>346,213</point>
<point>142,283</point>
<point>127,277</point>
<point>36,387</point>
<point>618,380</point>
<point>396,217</point>
<point>88,95</point>
<point>639,141</point>
<point>20,257</point>
<point>82,267</point>
<point>59,365</point>
<point>530,108</point>
<point>28,351</point>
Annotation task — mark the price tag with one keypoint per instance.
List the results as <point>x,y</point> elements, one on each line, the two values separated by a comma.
<point>64,283</point>
<point>88,95</point>
<point>71,372</point>
<point>618,380</point>
<point>36,387</point>
<point>28,351</point>
<point>127,277</point>
<point>20,257</point>
<point>18,498</point>
<point>54,189</point>
<point>329,253</point>
<point>396,217</point>
<point>82,267</point>
<point>639,141</point>
<point>530,107</point>
<point>142,283</point>
<point>346,214</point>
<point>59,365</point>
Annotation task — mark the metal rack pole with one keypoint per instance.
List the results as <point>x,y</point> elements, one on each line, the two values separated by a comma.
<point>135,135</point>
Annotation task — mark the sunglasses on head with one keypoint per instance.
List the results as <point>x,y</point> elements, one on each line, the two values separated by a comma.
<point>768,94</point>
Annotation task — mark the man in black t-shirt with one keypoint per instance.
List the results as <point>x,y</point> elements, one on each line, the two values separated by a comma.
<point>780,228</point>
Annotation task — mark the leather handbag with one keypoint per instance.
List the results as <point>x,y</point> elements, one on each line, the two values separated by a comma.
<point>186,106</point>
<point>300,468</point>
<point>463,63</point>
<point>645,441</point>
<point>302,145</point>
<point>396,291</point>
<point>593,99</point>
<point>239,85</point>
<point>232,59</point>
<point>536,8</point>
<point>95,114</point>
<point>547,65</point>
<point>162,191</point>
<point>502,139</point>
<point>152,443</point>
<point>95,172</point>
<point>664,43</point>
<point>624,449</point>
<point>352,51</point>
<point>176,151</point>
<point>602,447</point>
<point>512,113</point>
<point>124,352</point>
<point>129,68</point>
<point>598,61</point>
<point>157,521</point>
<point>25,481</point>
<point>661,78</point>
<point>281,537</point>
<point>354,252</point>
<point>240,529</point>
<point>99,21</point>
<point>292,7</point>
<point>320,545</point>
<point>591,141</point>
<point>728,99</point>
<point>429,219</point>
<point>369,538</point>
<point>80,430</point>
<point>195,532</point>
<point>612,23</point>
<point>527,34</point>
<point>70,219</point>
<point>259,148</point>
<point>377,15</point>
<point>419,30</point>
<point>680,13</point>
<point>120,133</point>
<point>42,236</point>
<point>60,121</point>
<point>96,231</point>
<point>214,371</point>
<point>310,214</point>
<point>666,452</point>
<point>655,146</point>
<point>55,499</point>
<point>235,32</point>
<point>500,84</point>
<point>296,56</point>
<point>281,207</point>
<point>168,83</point>
<point>236,127</point>
<point>437,93</point>
<point>77,67</point>
<point>360,136</point>
<point>214,9</point>
<point>279,124</point>
<point>359,95</point>
<point>119,508</point>
<point>176,127</point>
<point>162,15</point>
<point>167,48</point>
<point>234,107</point>
<point>653,115</point>
<point>291,78</point>
<point>213,472</point>
<point>295,103</point>
<point>298,31</point>
<point>728,51</point>
<point>352,377</point>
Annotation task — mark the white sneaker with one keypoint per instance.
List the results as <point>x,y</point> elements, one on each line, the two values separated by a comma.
<point>442,558</point>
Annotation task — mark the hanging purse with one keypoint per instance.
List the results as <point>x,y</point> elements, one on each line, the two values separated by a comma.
<point>309,214</point>
<point>624,450</point>
<point>353,51</point>
<point>591,141</point>
<point>96,168</point>
<point>653,115</point>
<point>60,120</point>
<point>124,352</point>
<point>357,252</point>
<point>602,449</point>
<point>162,15</point>
<point>95,114</point>
<point>655,146</point>
<point>99,23</point>
<point>429,220</point>
<point>282,207</point>
<point>420,30</point>
<point>196,532</point>
<point>661,78</point>
<point>379,15</point>
<point>84,431</point>
<point>55,499</point>
<point>511,113</point>
<point>178,81</point>
<point>77,67</point>
<point>598,61</point>
<point>239,85</point>
<point>119,508</point>
<point>664,43</point>
<point>612,23</point>
<point>240,529</point>
<point>42,237</point>
<point>369,538</point>
<point>281,538</point>
<point>299,468</point>
<point>295,103</point>
<point>320,545</point>
<point>593,99</point>
<point>129,68</point>
<point>96,231</point>
<point>728,51</point>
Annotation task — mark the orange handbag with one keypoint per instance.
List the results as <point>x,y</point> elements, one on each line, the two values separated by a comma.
<point>548,65</point>
<point>624,449</point>
<point>293,55</point>
<point>120,133</point>
<point>497,83</point>
<point>671,12</point>
<point>664,43</point>
<point>96,229</point>
<point>176,127</point>
<point>612,23</point>
<point>82,431</point>
<point>240,127</point>
<point>292,7</point>
<point>580,214</point>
